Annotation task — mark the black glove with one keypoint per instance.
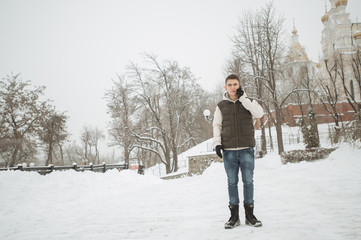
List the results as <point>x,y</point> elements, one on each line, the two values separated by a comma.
<point>240,92</point>
<point>218,150</point>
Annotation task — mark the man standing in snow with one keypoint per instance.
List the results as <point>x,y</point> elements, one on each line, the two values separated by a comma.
<point>234,134</point>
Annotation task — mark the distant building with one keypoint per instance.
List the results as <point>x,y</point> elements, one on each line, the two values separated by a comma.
<point>340,37</point>
<point>297,67</point>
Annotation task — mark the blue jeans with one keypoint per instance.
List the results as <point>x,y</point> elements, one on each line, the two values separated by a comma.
<point>233,161</point>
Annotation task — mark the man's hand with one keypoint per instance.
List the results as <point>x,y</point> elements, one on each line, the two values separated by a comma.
<point>240,92</point>
<point>218,150</point>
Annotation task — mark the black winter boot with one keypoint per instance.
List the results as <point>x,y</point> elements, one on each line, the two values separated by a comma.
<point>250,218</point>
<point>234,219</point>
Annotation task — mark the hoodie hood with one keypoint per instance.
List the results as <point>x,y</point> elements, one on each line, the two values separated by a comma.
<point>226,97</point>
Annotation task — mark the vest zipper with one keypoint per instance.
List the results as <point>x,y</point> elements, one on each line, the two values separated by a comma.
<point>235,122</point>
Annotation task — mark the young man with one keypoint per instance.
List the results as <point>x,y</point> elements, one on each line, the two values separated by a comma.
<point>234,134</point>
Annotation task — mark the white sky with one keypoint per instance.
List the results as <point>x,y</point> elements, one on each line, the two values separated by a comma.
<point>75,47</point>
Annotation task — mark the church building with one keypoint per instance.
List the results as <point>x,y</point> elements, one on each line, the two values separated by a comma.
<point>341,42</point>
<point>338,70</point>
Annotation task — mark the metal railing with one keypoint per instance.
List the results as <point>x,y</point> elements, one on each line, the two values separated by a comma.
<point>79,168</point>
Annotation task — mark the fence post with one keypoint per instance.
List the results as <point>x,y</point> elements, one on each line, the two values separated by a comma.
<point>20,167</point>
<point>126,166</point>
<point>141,170</point>
<point>91,167</point>
<point>75,165</point>
<point>51,166</point>
<point>104,167</point>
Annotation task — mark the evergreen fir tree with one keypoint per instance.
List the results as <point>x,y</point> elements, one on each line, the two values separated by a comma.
<point>309,130</point>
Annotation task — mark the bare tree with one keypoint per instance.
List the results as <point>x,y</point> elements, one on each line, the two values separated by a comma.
<point>259,46</point>
<point>305,95</point>
<point>356,68</point>
<point>330,94</point>
<point>73,153</point>
<point>346,63</point>
<point>347,69</point>
<point>90,138</point>
<point>167,92</point>
<point>21,111</point>
<point>249,52</point>
<point>96,135</point>
<point>195,128</point>
<point>121,106</point>
<point>85,138</point>
<point>52,133</point>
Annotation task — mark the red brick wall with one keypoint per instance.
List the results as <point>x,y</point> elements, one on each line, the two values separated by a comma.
<point>291,113</point>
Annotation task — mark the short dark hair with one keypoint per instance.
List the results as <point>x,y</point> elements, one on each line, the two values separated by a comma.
<point>232,76</point>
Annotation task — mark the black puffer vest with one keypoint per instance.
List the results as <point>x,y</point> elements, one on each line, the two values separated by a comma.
<point>237,125</point>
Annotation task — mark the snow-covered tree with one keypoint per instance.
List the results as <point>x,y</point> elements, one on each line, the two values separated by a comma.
<point>257,56</point>
<point>52,133</point>
<point>21,112</point>
<point>158,108</point>
<point>122,105</point>
<point>309,130</point>
<point>90,138</point>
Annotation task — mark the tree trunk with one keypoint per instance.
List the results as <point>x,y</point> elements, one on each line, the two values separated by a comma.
<point>175,158</point>
<point>61,154</point>
<point>270,134</point>
<point>279,130</point>
<point>168,166</point>
<point>50,155</point>
<point>97,157</point>
<point>126,154</point>
<point>86,152</point>
<point>263,138</point>
<point>14,155</point>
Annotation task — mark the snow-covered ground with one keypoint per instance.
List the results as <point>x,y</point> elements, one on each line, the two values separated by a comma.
<point>206,147</point>
<point>307,200</point>
<point>292,138</point>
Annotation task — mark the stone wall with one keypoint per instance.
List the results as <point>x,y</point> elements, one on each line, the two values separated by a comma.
<point>199,163</point>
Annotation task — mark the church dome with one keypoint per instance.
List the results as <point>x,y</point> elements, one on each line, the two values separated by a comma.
<point>357,34</point>
<point>324,18</point>
<point>341,2</point>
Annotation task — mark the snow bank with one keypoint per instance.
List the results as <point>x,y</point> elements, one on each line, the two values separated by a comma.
<point>67,184</point>
<point>306,200</point>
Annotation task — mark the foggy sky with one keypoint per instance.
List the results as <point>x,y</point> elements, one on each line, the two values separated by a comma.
<point>75,47</point>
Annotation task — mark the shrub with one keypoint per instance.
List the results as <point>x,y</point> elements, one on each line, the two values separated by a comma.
<point>352,130</point>
<point>309,154</point>
<point>309,130</point>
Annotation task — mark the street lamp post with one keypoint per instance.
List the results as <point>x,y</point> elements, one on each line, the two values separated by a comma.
<point>207,114</point>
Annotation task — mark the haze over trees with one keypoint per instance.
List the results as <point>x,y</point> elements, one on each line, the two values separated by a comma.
<point>157,107</point>
<point>24,120</point>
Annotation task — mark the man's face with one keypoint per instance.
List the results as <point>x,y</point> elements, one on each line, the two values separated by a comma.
<point>231,87</point>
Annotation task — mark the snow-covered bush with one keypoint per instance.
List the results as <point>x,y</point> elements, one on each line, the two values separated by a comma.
<point>309,130</point>
<point>351,131</point>
<point>309,154</point>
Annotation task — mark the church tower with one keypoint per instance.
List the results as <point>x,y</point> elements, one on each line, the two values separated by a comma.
<point>297,67</point>
<point>297,52</point>
<point>357,37</point>
<point>341,39</point>
<point>336,31</point>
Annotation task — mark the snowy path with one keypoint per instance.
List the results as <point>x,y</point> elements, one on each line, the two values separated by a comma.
<point>319,200</point>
